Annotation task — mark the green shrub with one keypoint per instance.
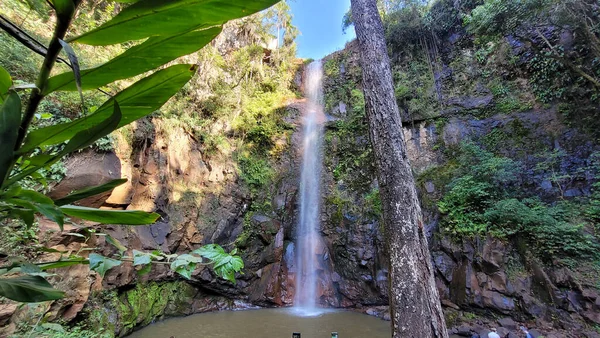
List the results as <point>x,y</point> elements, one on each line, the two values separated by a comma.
<point>484,198</point>
<point>255,171</point>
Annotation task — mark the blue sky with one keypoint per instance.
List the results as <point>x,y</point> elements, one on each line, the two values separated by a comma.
<point>320,25</point>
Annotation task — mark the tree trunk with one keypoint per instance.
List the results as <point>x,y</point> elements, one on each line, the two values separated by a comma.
<point>414,302</point>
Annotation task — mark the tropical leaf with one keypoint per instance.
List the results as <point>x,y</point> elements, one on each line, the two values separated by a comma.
<point>33,200</point>
<point>29,289</point>
<point>63,263</point>
<point>161,18</point>
<point>149,55</point>
<point>128,217</point>
<point>88,192</point>
<point>212,252</point>
<point>5,84</point>
<point>90,135</point>
<point>10,119</point>
<point>80,140</point>
<point>101,264</point>
<point>227,267</point>
<point>136,101</point>
<point>224,264</point>
<point>26,215</point>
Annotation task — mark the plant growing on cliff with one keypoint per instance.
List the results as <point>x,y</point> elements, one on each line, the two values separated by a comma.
<point>485,197</point>
<point>535,21</point>
<point>169,30</point>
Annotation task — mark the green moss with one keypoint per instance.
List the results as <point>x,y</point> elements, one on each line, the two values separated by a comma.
<point>340,203</point>
<point>255,170</point>
<point>111,311</point>
<point>332,67</point>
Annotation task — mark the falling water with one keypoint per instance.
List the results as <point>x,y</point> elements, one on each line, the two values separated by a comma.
<point>307,234</point>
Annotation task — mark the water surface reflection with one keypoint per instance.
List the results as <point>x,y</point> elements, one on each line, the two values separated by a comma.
<point>267,323</point>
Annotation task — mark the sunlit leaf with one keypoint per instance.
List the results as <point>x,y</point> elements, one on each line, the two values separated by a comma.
<point>149,55</point>
<point>158,17</point>
<point>128,217</point>
<point>224,264</point>
<point>136,101</point>
<point>88,192</point>
<point>90,135</point>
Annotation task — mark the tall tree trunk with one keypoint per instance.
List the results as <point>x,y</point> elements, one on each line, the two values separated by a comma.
<point>414,302</point>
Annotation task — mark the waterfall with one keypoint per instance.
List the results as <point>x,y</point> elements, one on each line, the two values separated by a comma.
<point>307,239</point>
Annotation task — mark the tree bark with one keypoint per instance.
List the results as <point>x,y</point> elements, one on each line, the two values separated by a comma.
<point>414,302</point>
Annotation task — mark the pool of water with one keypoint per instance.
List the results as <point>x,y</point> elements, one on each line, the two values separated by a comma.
<point>268,323</point>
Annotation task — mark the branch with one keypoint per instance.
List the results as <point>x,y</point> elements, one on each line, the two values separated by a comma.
<point>26,39</point>
<point>568,63</point>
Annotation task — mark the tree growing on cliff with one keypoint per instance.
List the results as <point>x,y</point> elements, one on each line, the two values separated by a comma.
<point>414,301</point>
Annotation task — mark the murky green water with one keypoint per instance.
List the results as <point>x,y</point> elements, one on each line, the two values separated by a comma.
<point>267,323</point>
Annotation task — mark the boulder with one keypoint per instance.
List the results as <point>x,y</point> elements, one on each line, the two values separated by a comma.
<point>88,169</point>
<point>508,323</point>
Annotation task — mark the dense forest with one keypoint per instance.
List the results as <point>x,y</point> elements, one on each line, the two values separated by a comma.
<point>499,103</point>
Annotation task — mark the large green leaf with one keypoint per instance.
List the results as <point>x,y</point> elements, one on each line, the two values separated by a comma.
<point>159,17</point>
<point>90,135</point>
<point>101,264</point>
<point>224,264</point>
<point>63,263</point>
<point>185,265</point>
<point>28,289</point>
<point>33,200</point>
<point>91,191</point>
<point>136,101</point>
<point>128,217</point>
<point>10,119</point>
<point>149,55</point>
<point>80,140</point>
<point>5,84</point>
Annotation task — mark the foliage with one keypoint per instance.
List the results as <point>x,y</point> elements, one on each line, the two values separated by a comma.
<point>497,16</point>
<point>172,31</point>
<point>545,227</point>
<point>373,202</point>
<point>485,198</point>
<point>254,170</point>
<point>534,21</point>
<point>53,330</point>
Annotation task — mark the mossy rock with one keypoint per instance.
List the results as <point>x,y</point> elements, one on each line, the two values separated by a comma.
<point>121,313</point>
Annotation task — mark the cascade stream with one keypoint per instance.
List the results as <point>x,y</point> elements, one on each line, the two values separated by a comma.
<point>307,231</point>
